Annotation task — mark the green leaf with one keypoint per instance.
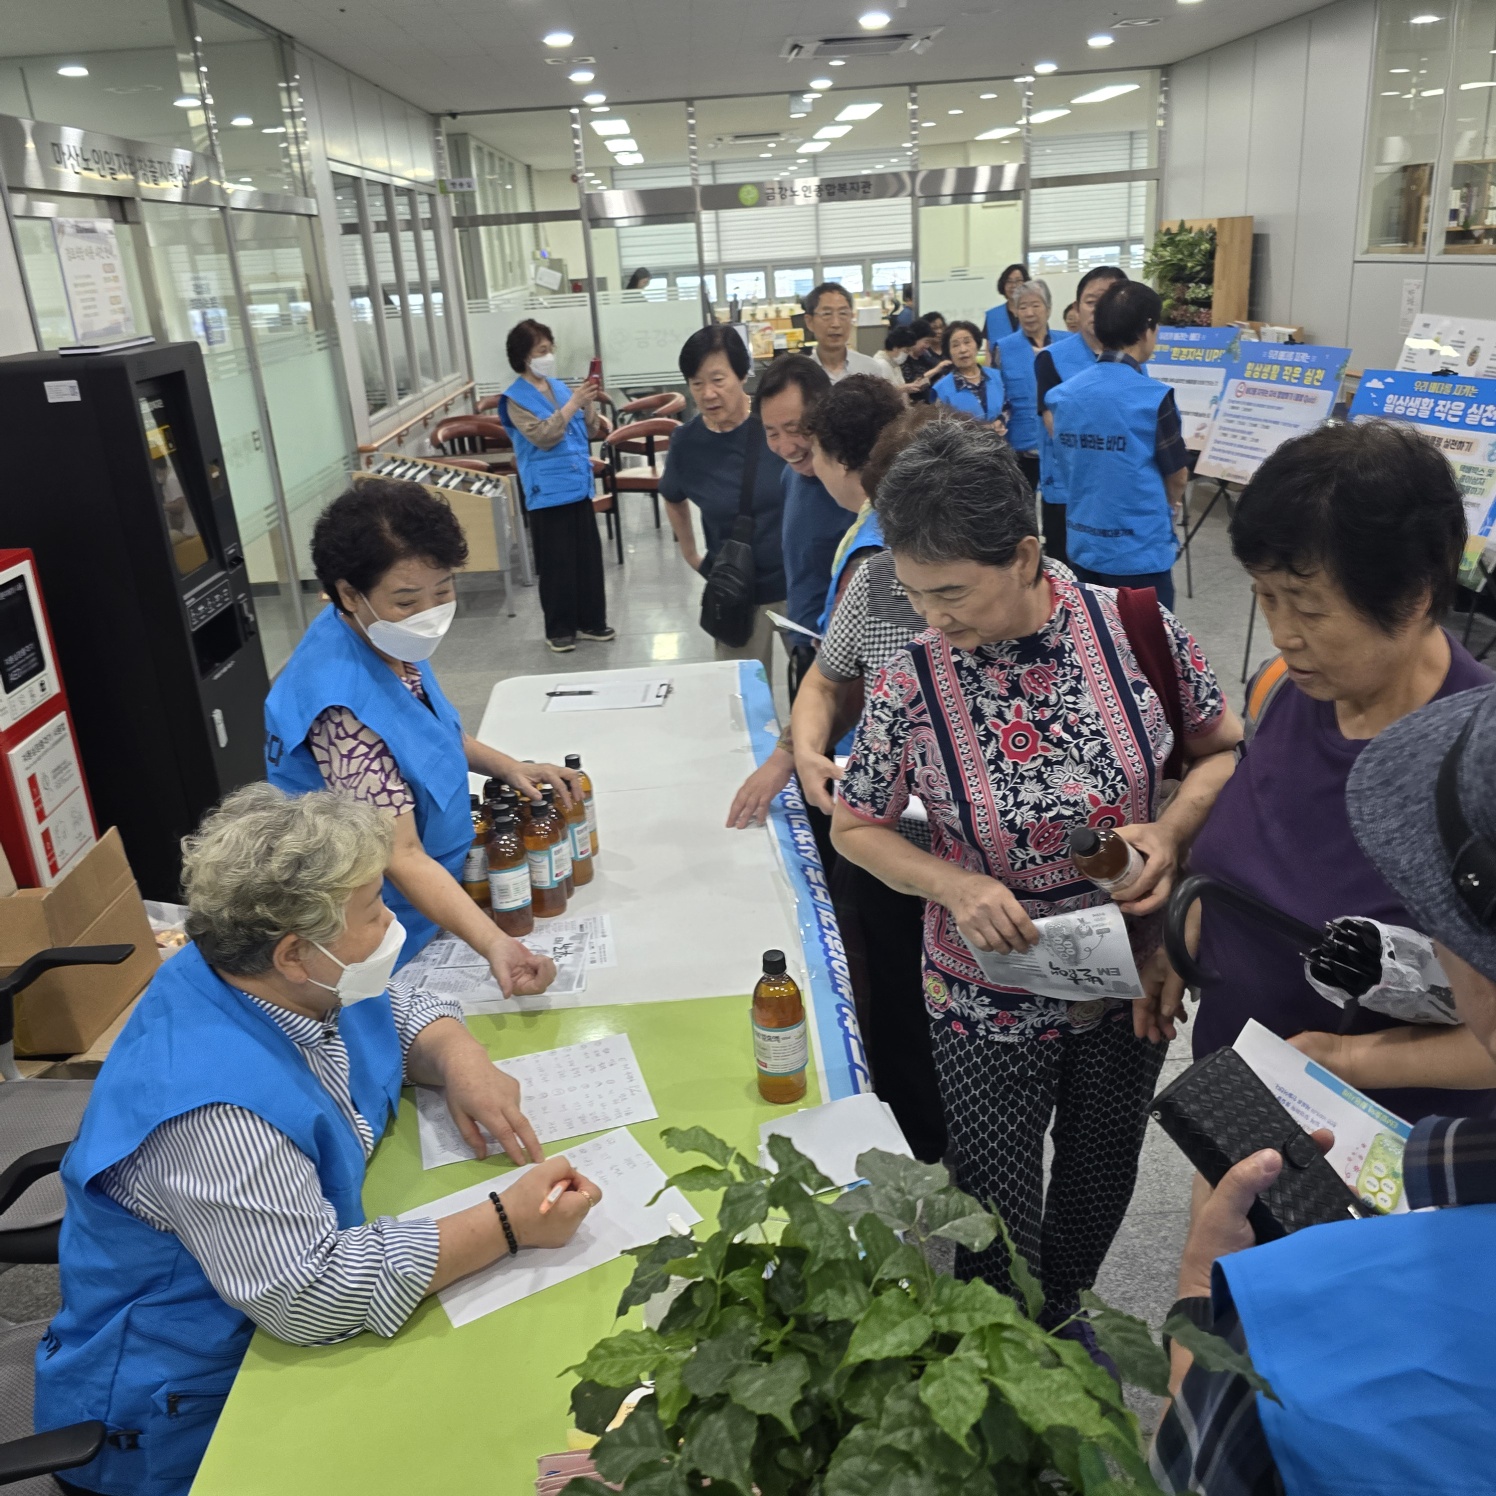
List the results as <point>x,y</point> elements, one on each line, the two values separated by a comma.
<point>699,1179</point>
<point>903,1262</point>
<point>652,1272</point>
<point>786,1285</point>
<point>878,1241</point>
<point>748,1283</point>
<point>871,1385</point>
<point>772,1390</point>
<point>896,1171</point>
<point>697,1140</point>
<point>1044,1397</point>
<point>1006,1435</point>
<point>671,1393</point>
<point>959,1218</point>
<point>822,1230</point>
<point>743,1205</point>
<point>638,1441</point>
<point>838,1290</point>
<point>892,1326</point>
<point>691,1310</point>
<point>584,1485</point>
<point>1215,1354</point>
<point>1130,1344</point>
<point>1020,1272</point>
<point>955,1393</point>
<point>792,1164</point>
<point>671,1481</point>
<point>959,1307</point>
<point>714,1361</point>
<point>623,1360</point>
<point>720,1445</point>
<point>593,1405</point>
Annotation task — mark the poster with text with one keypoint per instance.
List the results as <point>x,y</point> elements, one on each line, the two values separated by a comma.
<point>1193,361</point>
<point>1465,345</point>
<point>1458,415</point>
<point>1274,391</point>
<point>93,279</point>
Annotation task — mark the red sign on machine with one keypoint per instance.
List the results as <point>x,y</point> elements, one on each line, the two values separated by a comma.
<point>46,819</point>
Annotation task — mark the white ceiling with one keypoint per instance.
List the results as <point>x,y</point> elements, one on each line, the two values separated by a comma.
<point>447,55</point>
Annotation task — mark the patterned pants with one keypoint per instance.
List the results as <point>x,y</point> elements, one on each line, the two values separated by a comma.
<point>999,1099</point>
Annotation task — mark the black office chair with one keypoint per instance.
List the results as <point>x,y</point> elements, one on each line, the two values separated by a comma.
<point>38,1120</point>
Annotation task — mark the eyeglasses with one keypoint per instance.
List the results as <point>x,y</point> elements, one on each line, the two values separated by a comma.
<point>833,314</point>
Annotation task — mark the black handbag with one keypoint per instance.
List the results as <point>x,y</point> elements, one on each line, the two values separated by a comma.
<point>727,604</point>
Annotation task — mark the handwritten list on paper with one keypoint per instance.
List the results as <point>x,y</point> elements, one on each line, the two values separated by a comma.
<point>565,1092</point>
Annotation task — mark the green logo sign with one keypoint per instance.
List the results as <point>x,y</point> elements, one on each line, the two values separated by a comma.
<point>748,194</point>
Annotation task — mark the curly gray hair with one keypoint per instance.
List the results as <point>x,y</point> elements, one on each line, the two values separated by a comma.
<point>265,864</point>
<point>1037,288</point>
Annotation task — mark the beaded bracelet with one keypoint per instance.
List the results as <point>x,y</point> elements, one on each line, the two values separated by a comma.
<point>498,1205</point>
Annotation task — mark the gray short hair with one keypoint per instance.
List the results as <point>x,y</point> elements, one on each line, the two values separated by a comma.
<point>956,493</point>
<point>1033,288</point>
<point>265,864</point>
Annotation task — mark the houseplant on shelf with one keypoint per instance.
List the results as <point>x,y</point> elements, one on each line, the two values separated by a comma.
<point>1181,264</point>
<point>834,1361</point>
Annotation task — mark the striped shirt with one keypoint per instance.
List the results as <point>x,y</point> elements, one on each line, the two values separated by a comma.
<point>246,1202</point>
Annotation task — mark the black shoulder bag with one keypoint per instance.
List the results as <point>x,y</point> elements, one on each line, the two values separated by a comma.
<point>727,605</point>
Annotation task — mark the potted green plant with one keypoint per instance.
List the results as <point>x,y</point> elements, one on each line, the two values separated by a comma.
<point>1181,264</point>
<point>824,1356</point>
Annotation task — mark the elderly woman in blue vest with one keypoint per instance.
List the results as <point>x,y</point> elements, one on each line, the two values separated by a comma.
<point>550,425</point>
<point>215,1186</point>
<point>1013,358</point>
<point>358,708</point>
<point>1120,452</point>
<point>969,388</point>
<point>1061,360</point>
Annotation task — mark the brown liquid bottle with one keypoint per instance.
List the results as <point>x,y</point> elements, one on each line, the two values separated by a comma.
<point>562,852</point>
<point>510,898</point>
<point>780,1044</point>
<point>1108,860</point>
<point>574,761</point>
<point>475,867</point>
<point>541,832</point>
<point>575,816</point>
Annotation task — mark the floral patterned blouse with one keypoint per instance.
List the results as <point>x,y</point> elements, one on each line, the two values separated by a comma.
<point>355,758</point>
<point>1009,745</point>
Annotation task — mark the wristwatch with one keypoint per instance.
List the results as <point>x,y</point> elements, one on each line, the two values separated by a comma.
<point>1197,1309</point>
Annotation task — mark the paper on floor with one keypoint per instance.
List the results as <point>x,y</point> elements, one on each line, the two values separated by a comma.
<point>565,1092</point>
<point>833,1136</point>
<point>627,1175</point>
<point>1080,956</point>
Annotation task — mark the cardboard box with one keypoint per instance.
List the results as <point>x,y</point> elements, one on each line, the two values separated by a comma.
<point>96,903</point>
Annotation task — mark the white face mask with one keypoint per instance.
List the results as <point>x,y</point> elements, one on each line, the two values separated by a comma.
<point>544,367</point>
<point>412,639</point>
<point>371,976</point>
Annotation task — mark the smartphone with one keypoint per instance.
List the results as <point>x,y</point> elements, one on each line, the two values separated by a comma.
<point>595,371</point>
<point>1220,1112</point>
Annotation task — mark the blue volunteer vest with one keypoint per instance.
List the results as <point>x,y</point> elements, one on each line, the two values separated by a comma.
<point>1105,435</point>
<point>334,666</point>
<point>997,323</point>
<point>813,526</point>
<point>143,1342</point>
<point>1071,355</point>
<point>551,475</point>
<point>985,402</point>
<point>1016,355</point>
<point>865,534</point>
<point>1377,1337</point>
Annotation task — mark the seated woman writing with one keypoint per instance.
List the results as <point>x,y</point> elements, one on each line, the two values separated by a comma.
<point>215,1185</point>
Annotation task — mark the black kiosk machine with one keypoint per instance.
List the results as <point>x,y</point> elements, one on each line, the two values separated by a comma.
<point>113,475</point>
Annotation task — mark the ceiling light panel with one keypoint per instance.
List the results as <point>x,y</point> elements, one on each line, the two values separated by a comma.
<point>1044,116</point>
<point>833,132</point>
<point>1001,133</point>
<point>610,126</point>
<point>859,111</point>
<point>1110,91</point>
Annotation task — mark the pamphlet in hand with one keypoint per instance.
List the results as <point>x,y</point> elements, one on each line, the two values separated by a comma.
<point>1369,1140</point>
<point>1080,956</point>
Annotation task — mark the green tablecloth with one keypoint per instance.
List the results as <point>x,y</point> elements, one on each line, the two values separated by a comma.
<point>467,1411</point>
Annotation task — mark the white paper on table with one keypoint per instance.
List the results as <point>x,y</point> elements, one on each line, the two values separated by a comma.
<point>549,935</point>
<point>449,967</point>
<point>835,1135</point>
<point>565,1092</point>
<point>789,626</point>
<point>1080,956</point>
<point>607,696</point>
<point>1369,1140</point>
<point>627,1175</point>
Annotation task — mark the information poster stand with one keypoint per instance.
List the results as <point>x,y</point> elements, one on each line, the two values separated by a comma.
<point>93,280</point>
<point>1193,362</point>
<point>1464,345</point>
<point>1273,392</point>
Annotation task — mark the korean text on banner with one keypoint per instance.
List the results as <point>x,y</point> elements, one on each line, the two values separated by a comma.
<point>93,278</point>
<point>1193,361</point>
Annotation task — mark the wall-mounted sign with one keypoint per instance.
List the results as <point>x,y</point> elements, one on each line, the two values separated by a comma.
<point>93,279</point>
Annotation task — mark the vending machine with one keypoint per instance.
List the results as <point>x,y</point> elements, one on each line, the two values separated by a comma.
<point>113,477</point>
<point>46,821</point>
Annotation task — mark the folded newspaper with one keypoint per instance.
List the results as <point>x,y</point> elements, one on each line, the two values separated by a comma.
<point>1080,956</point>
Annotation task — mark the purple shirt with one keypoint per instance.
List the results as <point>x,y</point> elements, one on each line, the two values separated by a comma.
<point>1280,829</point>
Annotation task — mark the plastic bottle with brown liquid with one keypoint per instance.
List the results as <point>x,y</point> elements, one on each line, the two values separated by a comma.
<point>574,761</point>
<point>562,852</point>
<point>475,866</point>
<point>541,833</point>
<point>510,898</point>
<point>780,1043</point>
<point>1108,860</point>
<point>575,816</point>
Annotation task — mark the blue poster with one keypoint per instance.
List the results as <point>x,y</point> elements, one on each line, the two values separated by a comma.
<point>1193,361</point>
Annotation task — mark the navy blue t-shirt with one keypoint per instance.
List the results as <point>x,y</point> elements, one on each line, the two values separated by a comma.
<point>706,466</point>
<point>813,524</point>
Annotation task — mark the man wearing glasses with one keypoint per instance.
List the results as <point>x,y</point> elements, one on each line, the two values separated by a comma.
<point>830,319</point>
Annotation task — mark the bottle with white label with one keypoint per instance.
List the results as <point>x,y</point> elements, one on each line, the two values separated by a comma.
<point>509,895</point>
<point>561,851</point>
<point>780,1042</point>
<point>541,832</point>
<point>574,761</point>
<point>475,865</point>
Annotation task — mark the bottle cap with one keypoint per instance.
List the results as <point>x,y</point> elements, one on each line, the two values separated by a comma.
<point>573,760</point>
<point>493,788</point>
<point>473,801</point>
<point>773,963</point>
<point>547,794</point>
<point>1085,841</point>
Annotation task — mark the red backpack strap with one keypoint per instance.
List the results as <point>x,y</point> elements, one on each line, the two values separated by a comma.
<point>1144,626</point>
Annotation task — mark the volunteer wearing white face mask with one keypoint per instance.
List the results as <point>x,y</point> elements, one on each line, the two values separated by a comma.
<point>215,1185</point>
<point>550,426</point>
<point>357,708</point>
